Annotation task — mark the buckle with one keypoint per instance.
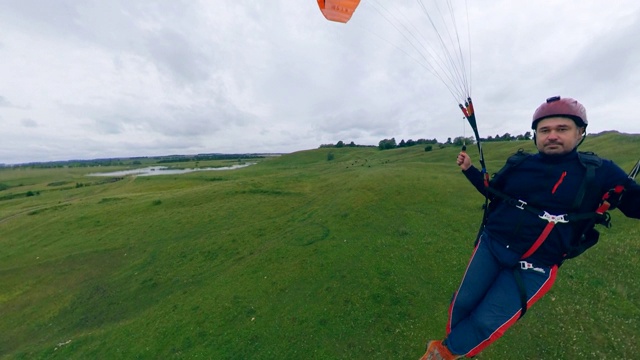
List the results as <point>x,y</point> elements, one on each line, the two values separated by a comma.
<point>554,218</point>
<point>525,265</point>
<point>529,266</point>
<point>521,204</point>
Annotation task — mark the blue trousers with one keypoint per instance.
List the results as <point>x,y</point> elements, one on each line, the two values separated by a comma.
<point>488,300</point>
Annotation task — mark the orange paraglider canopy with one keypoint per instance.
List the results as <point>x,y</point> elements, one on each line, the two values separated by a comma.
<point>338,10</point>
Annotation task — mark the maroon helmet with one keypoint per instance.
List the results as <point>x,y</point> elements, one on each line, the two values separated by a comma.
<point>564,107</point>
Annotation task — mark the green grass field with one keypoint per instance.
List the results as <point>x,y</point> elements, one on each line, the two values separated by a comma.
<point>297,257</point>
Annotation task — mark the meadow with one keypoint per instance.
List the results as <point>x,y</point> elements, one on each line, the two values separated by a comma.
<point>331,253</point>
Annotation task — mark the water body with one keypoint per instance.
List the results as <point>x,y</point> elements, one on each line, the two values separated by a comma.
<point>163,170</point>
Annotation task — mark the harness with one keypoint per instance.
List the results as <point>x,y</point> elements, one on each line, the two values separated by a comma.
<point>578,213</point>
<point>582,219</point>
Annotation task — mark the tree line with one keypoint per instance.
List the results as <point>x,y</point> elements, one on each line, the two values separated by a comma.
<point>386,144</point>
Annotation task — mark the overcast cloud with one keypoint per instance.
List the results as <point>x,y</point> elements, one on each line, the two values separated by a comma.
<point>95,79</point>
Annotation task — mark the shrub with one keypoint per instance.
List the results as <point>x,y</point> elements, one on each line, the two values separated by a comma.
<point>330,156</point>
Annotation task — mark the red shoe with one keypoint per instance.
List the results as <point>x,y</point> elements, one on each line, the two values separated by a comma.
<point>437,351</point>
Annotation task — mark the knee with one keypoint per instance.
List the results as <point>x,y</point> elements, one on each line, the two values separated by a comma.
<point>463,302</point>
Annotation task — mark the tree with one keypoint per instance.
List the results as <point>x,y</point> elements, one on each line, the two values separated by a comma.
<point>387,144</point>
<point>506,137</point>
<point>460,140</point>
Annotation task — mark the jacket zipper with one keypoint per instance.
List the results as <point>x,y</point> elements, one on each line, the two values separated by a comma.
<point>555,187</point>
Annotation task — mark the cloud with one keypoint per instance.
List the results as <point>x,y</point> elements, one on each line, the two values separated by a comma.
<point>29,123</point>
<point>4,102</point>
<point>139,78</point>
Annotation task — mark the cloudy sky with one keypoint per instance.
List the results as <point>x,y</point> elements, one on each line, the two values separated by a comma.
<point>85,79</point>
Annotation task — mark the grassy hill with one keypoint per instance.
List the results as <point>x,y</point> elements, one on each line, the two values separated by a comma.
<point>297,257</point>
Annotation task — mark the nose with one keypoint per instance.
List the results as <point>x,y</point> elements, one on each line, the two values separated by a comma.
<point>552,134</point>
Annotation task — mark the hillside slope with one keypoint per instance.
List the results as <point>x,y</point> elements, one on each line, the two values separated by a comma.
<point>295,257</point>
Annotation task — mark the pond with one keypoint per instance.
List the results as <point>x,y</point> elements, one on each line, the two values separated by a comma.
<point>163,170</point>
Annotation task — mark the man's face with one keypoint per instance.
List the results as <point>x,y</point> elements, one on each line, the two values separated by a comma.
<point>557,135</point>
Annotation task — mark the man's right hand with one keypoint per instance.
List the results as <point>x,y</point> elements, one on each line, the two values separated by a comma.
<point>464,161</point>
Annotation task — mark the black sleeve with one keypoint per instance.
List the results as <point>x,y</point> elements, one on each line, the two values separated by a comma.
<point>630,200</point>
<point>475,178</point>
<point>629,203</point>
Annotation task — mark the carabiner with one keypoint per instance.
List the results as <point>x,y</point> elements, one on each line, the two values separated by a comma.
<point>554,218</point>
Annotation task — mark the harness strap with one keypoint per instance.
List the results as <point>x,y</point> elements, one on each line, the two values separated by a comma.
<point>520,204</point>
<point>552,220</point>
<point>521,290</point>
<point>588,180</point>
<point>543,236</point>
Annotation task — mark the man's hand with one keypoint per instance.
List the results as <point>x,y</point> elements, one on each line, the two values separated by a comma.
<point>464,161</point>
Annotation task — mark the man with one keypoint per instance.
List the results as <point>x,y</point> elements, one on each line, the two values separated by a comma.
<point>541,208</point>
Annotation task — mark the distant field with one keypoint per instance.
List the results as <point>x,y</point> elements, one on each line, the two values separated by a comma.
<point>296,257</point>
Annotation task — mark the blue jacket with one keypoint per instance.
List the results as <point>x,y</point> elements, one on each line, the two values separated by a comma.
<point>549,183</point>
